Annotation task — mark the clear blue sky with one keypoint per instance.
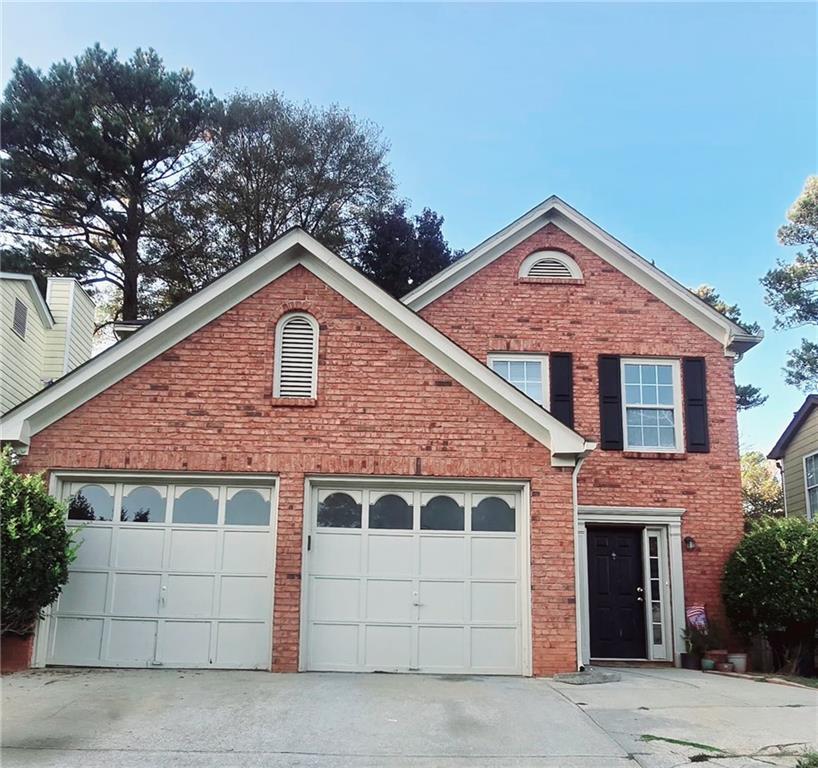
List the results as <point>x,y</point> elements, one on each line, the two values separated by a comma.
<point>685,130</point>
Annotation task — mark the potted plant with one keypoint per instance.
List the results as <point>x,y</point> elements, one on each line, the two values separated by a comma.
<point>37,549</point>
<point>715,648</point>
<point>695,645</point>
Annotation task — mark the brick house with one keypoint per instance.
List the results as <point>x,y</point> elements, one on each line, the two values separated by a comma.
<point>529,462</point>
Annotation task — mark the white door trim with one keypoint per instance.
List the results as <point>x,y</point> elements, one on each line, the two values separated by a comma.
<point>668,519</point>
<point>58,478</point>
<point>314,483</point>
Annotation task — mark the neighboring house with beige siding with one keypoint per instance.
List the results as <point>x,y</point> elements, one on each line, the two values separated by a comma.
<point>41,338</point>
<point>796,454</point>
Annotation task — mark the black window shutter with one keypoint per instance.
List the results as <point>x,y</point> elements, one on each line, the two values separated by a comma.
<point>610,403</point>
<point>695,394</point>
<point>562,387</point>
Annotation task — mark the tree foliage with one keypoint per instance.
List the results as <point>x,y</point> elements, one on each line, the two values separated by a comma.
<point>94,150</point>
<point>273,165</point>
<point>747,395</point>
<point>770,584</point>
<point>400,252</point>
<point>36,548</point>
<point>791,287</point>
<point>762,494</point>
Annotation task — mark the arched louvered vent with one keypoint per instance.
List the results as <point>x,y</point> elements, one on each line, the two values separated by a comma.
<point>550,265</point>
<point>549,268</point>
<point>296,356</point>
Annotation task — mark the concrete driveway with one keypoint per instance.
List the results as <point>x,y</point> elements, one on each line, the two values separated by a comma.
<point>91,719</point>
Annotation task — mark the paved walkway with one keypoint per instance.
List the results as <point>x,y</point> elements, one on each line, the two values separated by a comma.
<point>96,719</point>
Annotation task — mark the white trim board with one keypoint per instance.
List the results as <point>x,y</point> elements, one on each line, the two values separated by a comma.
<point>293,248</point>
<point>643,272</point>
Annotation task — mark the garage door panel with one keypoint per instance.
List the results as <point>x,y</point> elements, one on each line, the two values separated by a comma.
<point>94,547</point>
<point>245,597</point>
<point>193,550</point>
<point>388,647</point>
<point>494,602</point>
<point>242,643</point>
<point>190,596</point>
<point>335,599</point>
<point>336,554</point>
<point>136,594</point>
<point>420,583</point>
<point>494,558</point>
<point>442,556</point>
<point>494,648</point>
<point>185,642</point>
<point>141,548</point>
<point>190,586</point>
<point>77,640</point>
<point>246,551</point>
<point>442,601</point>
<point>391,555</point>
<point>132,641</point>
<point>84,593</point>
<point>334,646</point>
<point>441,648</point>
<point>389,600</point>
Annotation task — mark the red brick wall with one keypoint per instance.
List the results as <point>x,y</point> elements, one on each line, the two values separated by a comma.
<point>382,409</point>
<point>610,314</point>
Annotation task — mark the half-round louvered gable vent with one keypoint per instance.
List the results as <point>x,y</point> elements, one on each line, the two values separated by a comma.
<point>550,265</point>
<point>296,356</point>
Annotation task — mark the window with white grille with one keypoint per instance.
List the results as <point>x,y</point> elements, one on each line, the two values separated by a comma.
<point>296,357</point>
<point>551,265</point>
<point>20,318</point>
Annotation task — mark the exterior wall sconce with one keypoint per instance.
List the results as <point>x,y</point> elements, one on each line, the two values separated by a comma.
<point>690,543</point>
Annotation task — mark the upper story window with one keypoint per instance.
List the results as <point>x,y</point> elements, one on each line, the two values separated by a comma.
<point>550,265</point>
<point>811,484</point>
<point>296,356</point>
<point>652,405</point>
<point>529,373</point>
<point>20,318</point>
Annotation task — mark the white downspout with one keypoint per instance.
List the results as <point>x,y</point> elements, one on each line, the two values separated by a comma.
<point>577,601</point>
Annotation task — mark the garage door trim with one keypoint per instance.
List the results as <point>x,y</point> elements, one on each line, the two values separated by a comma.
<point>313,484</point>
<point>59,479</point>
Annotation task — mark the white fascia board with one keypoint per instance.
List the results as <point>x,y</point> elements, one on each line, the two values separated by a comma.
<point>488,386</point>
<point>295,247</point>
<point>732,336</point>
<point>36,297</point>
<point>104,370</point>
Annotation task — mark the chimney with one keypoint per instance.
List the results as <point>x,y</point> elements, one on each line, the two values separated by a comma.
<point>68,343</point>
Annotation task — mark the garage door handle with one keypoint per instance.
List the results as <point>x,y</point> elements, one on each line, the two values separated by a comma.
<point>163,594</point>
<point>416,603</point>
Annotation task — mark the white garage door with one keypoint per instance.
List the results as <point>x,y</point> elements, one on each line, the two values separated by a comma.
<point>416,579</point>
<point>175,572</point>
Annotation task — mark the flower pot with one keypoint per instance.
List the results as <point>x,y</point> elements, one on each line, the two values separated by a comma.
<point>708,665</point>
<point>739,661</point>
<point>15,652</point>
<point>718,655</point>
<point>725,666</point>
<point>691,661</point>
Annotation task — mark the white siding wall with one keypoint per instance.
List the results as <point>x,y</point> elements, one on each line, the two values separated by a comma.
<point>73,313</point>
<point>21,360</point>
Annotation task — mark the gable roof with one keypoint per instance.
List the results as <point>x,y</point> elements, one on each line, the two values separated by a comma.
<point>291,249</point>
<point>34,293</point>
<point>554,210</point>
<point>798,419</point>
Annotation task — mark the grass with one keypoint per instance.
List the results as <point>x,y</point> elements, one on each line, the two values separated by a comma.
<point>683,743</point>
<point>810,760</point>
<point>810,682</point>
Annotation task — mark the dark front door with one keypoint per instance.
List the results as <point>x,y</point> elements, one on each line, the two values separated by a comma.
<point>615,593</point>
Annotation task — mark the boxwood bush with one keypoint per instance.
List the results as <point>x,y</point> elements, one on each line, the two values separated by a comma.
<point>35,545</point>
<point>770,588</point>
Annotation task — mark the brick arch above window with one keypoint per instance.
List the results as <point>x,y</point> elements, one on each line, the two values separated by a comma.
<point>549,265</point>
<point>296,356</point>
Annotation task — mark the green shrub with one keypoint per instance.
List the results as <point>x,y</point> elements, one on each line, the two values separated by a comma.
<point>36,548</point>
<point>770,586</point>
